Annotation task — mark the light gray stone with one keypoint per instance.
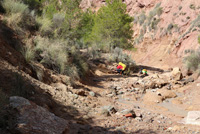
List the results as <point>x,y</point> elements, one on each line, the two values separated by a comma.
<point>18,102</point>
<point>92,94</point>
<point>193,118</point>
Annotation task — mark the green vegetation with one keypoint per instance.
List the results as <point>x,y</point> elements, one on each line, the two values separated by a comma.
<point>54,32</point>
<point>193,61</point>
<point>112,26</point>
<point>192,6</point>
<point>199,39</point>
<point>195,25</point>
<point>18,16</point>
<point>142,18</point>
<point>148,22</point>
<point>117,55</point>
<point>180,7</point>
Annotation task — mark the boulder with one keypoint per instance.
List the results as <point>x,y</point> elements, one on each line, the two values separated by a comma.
<point>193,118</point>
<point>28,118</point>
<point>166,93</point>
<point>176,74</point>
<point>127,111</point>
<point>105,112</point>
<point>151,97</point>
<point>92,94</point>
<point>177,101</point>
<point>110,109</point>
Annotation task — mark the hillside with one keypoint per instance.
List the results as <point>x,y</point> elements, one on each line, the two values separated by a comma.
<point>68,88</point>
<point>163,30</point>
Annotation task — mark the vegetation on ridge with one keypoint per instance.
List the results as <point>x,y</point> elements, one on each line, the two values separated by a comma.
<point>55,31</point>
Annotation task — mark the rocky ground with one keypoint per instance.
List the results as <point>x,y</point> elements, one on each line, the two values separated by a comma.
<point>107,103</point>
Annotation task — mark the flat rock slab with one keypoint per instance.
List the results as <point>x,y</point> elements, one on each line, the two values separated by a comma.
<point>193,118</point>
<point>32,119</point>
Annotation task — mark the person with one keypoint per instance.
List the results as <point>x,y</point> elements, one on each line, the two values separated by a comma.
<point>143,71</point>
<point>120,68</point>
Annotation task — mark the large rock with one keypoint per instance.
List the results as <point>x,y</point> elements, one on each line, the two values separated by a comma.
<point>176,74</point>
<point>151,97</point>
<point>193,118</point>
<point>28,118</point>
<point>166,93</point>
<point>107,110</point>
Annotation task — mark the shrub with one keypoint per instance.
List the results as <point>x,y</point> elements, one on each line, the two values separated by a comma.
<point>33,4</point>
<point>142,18</point>
<point>117,55</point>
<point>136,19</point>
<point>180,7</point>
<point>13,7</point>
<point>2,10</point>
<point>18,16</point>
<point>58,56</point>
<point>112,24</point>
<point>28,53</point>
<point>193,60</point>
<point>154,23</point>
<point>159,11</point>
<point>80,63</point>
<point>58,19</point>
<point>94,52</point>
<point>45,25</point>
<point>53,53</point>
<point>156,11</point>
<point>170,27</point>
<point>192,6</point>
<point>13,20</point>
<point>199,39</point>
<point>72,72</point>
<point>136,41</point>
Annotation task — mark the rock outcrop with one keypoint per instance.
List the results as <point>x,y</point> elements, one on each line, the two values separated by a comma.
<point>176,74</point>
<point>193,118</point>
<point>31,119</point>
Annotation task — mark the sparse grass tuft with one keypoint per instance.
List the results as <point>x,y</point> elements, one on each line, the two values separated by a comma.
<point>58,56</point>
<point>53,53</point>
<point>28,52</point>
<point>58,19</point>
<point>142,18</point>
<point>199,39</point>
<point>192,6</point>
<point>45,25</point>
<point>180,7</point>
<point>117,55</point>
<point>18,16</point>
<point>14,7</point>
<point>193,61</point>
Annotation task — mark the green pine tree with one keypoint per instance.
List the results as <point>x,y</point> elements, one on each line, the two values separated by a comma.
<point>112,26</point>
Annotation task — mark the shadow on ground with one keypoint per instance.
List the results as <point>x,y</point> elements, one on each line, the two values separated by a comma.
<point>13,84</point>
<point>150,68</point>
